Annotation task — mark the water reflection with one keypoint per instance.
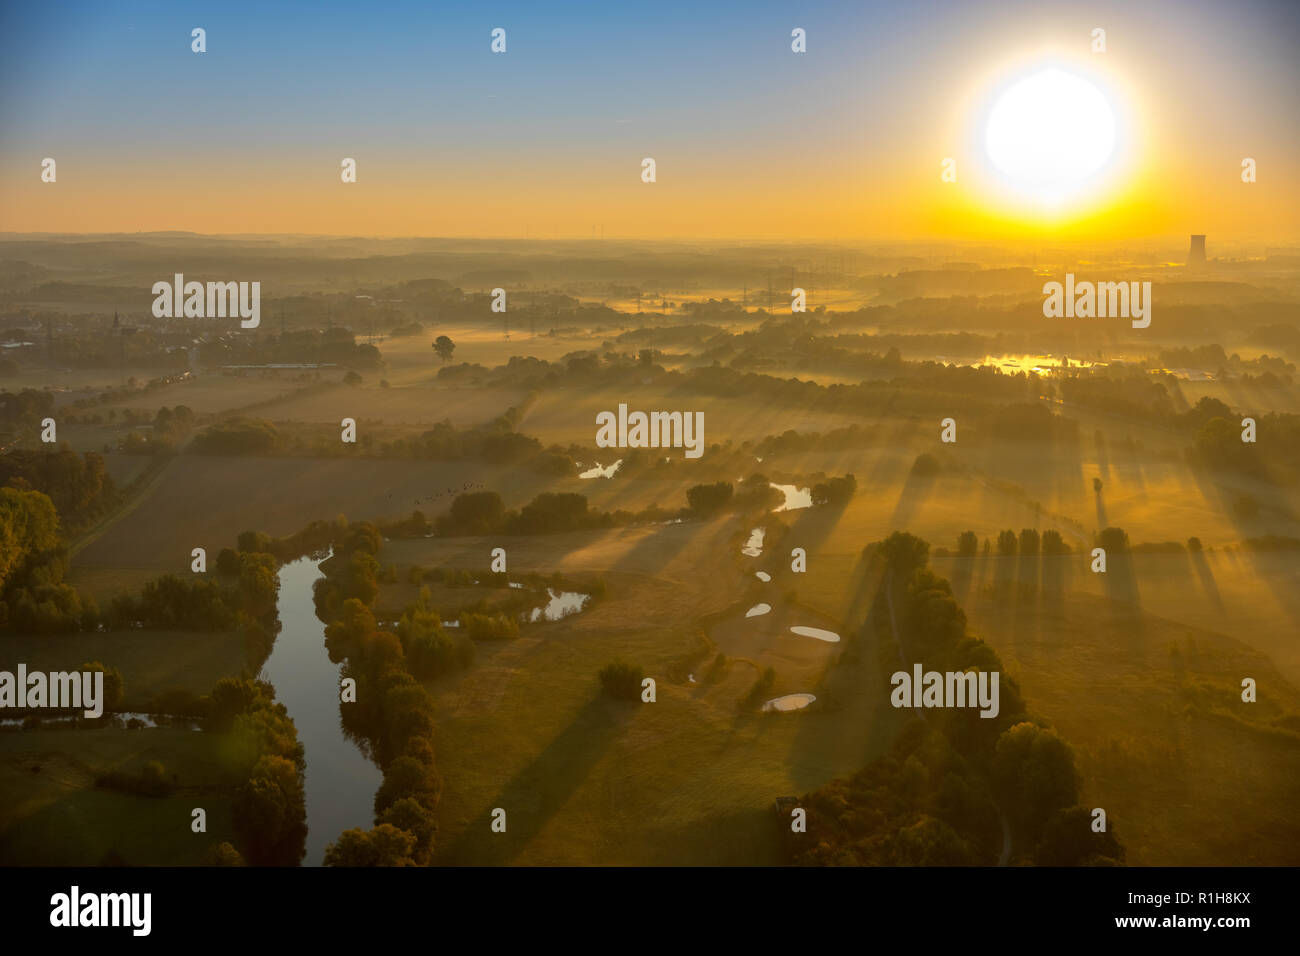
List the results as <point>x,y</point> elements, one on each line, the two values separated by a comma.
<point>340,780</point>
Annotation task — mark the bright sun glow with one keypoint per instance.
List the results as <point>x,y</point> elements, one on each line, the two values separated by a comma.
<point>1049,133</point>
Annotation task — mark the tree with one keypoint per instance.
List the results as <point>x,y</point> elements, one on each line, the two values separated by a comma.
<point>707,499</point>
<point>408,777</point>
<point>1114,540</point>
<point>1007,543</point>
<point>29,526</point>
<point>227,561</point>
<point>1219,445</point>
<point>479,512</point>
<point>905,553</point>
<point>114,686</point>
<point>269,813</point>
<point>1035,775</point>
<point>621,680</point>
<point>385,845</point>
<point>967,544</point>
<point>444,347</point>
<point>230,697</point>
<point>834,490</point>
<point>223,854</point>
<point>1069,840</point>
<point>926,466</point>
<point>1053,543</point>
<point>409,815</point>
<point>552,512</point>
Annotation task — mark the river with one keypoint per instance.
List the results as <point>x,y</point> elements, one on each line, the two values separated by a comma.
<point>340,780</point>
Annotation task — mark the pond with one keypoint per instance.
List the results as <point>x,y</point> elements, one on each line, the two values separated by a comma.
<point>561,604</point>
<point>830,637</point>
<point>599,472</point>
<point>789,702</point>
<point>795,497</point>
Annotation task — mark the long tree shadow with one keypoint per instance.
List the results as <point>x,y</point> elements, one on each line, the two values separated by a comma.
<point>1057,572</point>
<point>1103,454</point>
<point>1121,586</point>
<point>961,573</point>
<point>1026,597</point>
<point>915,491</point>
<point>811,527</point>
<point>1206,577</point>
<point>537,792</point>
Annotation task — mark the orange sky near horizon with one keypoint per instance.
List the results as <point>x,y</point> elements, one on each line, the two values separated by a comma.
<point>751,140</point>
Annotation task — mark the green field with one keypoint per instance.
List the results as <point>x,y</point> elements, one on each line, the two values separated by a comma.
<point>151,662</point>
<point>51,812</point>
<point>689,779</point>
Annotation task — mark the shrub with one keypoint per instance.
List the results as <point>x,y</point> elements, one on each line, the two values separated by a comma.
<point>621,680</point>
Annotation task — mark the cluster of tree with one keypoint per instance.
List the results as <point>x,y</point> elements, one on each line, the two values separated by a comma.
<point>314,538</point>
<point>939,796</point>
<point>490,627</point>
<point>834,491</point>
<point>112,702</point>
<point>203,604</point>
<point>791,442</point>
<point>429,648</point>
<point>1028,542</point>
<point>25,409</point>
<point>923,387</point>
<point>392,711</point>
<point>710,499</point>
<point>1275,455</point>
<point>497,618</point>
<point>622,680</point>
<point>237,436</point>
<point>79,486</point>
<point>151,781</point>
<point>1267,542</point>
<point>351,573</point>
<point>34,598</point>
<point>171,426</point>
<point>269,810</point>
<point>330,346</point>
<point>483,512</point>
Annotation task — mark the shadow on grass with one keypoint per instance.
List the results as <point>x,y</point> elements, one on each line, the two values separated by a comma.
<point>538,791</point>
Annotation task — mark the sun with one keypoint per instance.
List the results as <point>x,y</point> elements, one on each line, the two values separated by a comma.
<point>1050,133</point>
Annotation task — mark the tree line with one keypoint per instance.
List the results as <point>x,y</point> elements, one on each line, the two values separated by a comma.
<point>940,794</point>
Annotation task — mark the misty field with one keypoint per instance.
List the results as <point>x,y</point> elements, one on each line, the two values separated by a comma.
<point>1153,708</point>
